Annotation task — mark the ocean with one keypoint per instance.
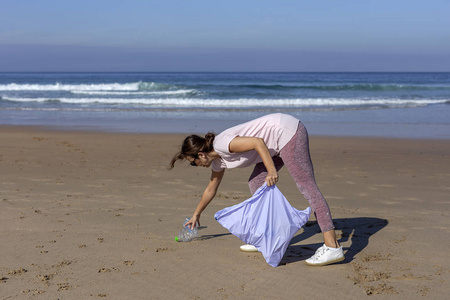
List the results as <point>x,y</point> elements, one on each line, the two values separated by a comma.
<point>397,105</point>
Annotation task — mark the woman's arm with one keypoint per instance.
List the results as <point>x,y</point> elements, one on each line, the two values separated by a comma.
<point>208,195</point>
<point>244,144</point>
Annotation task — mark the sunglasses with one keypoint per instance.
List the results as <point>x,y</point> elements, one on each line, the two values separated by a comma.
<point>193,162</point>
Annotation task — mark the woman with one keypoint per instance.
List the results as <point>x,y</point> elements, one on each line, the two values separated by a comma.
<point>268,143</point>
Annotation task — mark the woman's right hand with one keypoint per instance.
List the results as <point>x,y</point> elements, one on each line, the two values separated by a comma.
<point>193,222</point>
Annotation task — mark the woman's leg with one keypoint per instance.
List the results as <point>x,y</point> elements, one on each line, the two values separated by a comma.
<point>296,157</point>
<point>258,176</point>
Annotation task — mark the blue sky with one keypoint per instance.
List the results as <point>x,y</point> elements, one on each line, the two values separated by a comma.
<point>205,35</point>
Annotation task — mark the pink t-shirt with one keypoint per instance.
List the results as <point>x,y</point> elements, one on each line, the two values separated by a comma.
<point>275,129</point>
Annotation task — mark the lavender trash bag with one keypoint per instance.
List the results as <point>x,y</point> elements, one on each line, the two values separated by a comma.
<point>266,221</point>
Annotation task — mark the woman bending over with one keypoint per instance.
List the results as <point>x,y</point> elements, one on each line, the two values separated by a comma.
<point>267,143</point>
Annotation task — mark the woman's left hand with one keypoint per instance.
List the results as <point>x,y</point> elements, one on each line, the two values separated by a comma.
<point>272,178</point>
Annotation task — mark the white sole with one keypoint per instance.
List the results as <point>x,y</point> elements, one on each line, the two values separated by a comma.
<point>248,248</point>
<point>327,262</point>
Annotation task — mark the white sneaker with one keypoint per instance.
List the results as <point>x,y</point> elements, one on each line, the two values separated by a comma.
<point>325,256</point>
<point>248,248</point>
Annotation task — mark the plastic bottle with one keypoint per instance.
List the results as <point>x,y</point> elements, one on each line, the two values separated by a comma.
<point>186,234</point>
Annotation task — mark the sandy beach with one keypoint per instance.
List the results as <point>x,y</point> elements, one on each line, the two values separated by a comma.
<point>87,215</point>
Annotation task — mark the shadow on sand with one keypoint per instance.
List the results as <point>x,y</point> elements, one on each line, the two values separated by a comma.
<point>357,230</point>
<point>211,236</point>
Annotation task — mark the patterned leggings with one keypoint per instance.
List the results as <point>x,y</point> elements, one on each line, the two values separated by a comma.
<point>295,155</point>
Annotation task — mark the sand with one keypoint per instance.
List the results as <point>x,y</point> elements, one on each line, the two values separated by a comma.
<point>87,215</point>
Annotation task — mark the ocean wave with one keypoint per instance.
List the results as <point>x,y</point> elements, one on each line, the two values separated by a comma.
<point>133,86</point>
<point>230,103</point>
<point>132,93</point>
<point>140,86</point>
<point>341,87</point>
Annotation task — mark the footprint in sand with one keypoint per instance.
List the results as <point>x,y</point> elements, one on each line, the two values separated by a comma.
<point>64,286</point>
<point>104,270</point>
<point>19,271</point>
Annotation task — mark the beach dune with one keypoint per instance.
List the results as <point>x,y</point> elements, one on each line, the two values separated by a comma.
<point>87,215</point>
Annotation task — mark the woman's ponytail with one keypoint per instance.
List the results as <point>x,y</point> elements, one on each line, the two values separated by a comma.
<point>176,157</point>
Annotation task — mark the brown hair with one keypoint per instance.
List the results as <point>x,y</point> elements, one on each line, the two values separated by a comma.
<point>192,145</point>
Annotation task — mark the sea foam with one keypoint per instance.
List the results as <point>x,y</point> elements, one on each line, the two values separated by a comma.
<point>189,102</point>
<point>134,86</point>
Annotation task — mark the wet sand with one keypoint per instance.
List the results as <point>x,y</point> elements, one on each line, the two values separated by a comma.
<point>87,215</point>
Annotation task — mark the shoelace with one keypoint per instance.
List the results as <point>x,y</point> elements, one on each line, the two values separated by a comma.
<point>320,252</point>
